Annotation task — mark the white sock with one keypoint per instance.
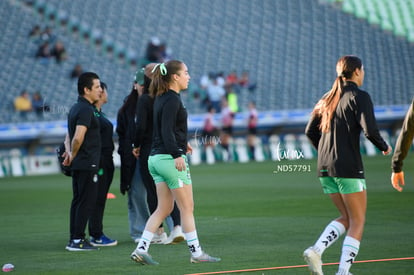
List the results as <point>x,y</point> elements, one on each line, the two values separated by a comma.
<point>193,244</point>
<point>331,233</point>
<point>350,250</point>
<point>145,241</point>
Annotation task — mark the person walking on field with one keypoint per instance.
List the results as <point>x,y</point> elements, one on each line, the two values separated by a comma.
<point>168,163</point>
<point>142,149</point>
<point>402,146</point>
<point>334,129</point>
<point>252,128</point>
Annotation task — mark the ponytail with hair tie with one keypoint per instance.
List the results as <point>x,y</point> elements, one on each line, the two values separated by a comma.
<point>163,68</point>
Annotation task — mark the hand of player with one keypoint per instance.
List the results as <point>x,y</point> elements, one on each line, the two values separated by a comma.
<point>397,180</point>
<point>68,159</point>
<point>180,164</point>
<point>389,150</point>
<point>189,149</point>
<point>135,152</point>
<point>124,188</point>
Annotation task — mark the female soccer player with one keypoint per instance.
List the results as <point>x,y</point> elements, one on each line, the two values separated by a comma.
<point>168,163</point>
<point>334,129</point>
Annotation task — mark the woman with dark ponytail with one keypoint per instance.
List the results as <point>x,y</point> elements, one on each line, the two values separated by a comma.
<point>168,163</point>
<point>334,129</point>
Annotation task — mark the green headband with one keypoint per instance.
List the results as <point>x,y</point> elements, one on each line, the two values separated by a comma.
<point>163,69</point>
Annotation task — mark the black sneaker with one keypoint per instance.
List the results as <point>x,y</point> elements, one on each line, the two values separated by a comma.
<point>82,245</point>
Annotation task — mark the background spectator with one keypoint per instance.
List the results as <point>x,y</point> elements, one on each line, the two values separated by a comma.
<point>43,52</point>
<point>232,79</point>
<point>76,71</point>
<point>252,128</point>
<point>227,117</point>
<point>35,32</point>
<point>59,52</point>
<point>232,100</point>
<point>38,104</point>
<point>23,104</point>
<point>48,36</point>
<point>153,52</point>
<point>215,93</point>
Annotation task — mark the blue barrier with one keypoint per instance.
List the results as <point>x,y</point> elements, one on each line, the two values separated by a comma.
<point>58,129</point>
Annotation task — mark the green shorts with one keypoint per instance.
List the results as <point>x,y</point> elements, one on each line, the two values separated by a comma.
<point>162,169</point>
<point>332,185</point>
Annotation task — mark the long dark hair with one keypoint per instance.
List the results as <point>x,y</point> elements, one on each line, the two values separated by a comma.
<point>146,86</point>
<point>130,103</point>
<point>326,106</point>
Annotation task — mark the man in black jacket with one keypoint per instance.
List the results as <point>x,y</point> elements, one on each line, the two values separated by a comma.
<point>83,157</point>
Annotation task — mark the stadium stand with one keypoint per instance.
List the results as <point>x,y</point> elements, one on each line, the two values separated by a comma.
<point>394,16</point>
<point>288,47</point>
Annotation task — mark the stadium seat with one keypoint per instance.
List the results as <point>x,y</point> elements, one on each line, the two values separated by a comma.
<point>284,56</point>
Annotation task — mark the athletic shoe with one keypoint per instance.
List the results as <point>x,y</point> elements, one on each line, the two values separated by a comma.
<point>143,258</point>
<point>314,261</point>
<point>176,236</point>
<point>204,258</point>
<point>82,245</point>
<point>159,238</point>
<point>103,241</point>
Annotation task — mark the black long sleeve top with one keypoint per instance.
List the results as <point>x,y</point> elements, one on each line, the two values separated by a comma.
<point>144,123</point>
<point>107,131</point>
<point>170,125</point>
<point>404,140</point>
<point>339,149</point>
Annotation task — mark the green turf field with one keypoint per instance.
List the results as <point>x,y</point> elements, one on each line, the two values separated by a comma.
<point>248,215</point>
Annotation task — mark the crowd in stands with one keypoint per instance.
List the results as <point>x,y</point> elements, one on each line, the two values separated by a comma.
<point>214,87</point>
<point>25,104</point>
<point>219,93</point>
<point>213,90</point>
<point>49,46</point>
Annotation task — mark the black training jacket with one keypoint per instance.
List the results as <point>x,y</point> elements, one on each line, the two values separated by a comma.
<point>170,125</point>
<point>144,123</point>
<point>404,140</point>
<point>339,149</point>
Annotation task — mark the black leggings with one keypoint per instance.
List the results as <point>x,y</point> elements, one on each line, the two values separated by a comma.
<point>105,176</point>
